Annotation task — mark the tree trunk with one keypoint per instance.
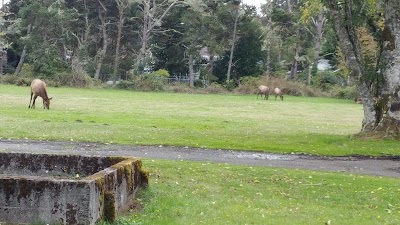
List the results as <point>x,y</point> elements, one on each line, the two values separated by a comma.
<point>309,75</point>
<point>141,56</point>
<point>236,17</point>
<point>21,61</point>
<point>349,43</point>
<point>120,24</point>
<point>381,101</point>
<point>289,6</point>
<point>145,37</point>
<point>78,64</point>
<point>151,19</point>
<point>210,64</point>
<point>389,101</point>
<point>191,71</point>
<point>142,51</point>
<point>3,60</point>
<point>319,24</point>
<point>102,52</point>
<point>23,54</point>
<point>293,69</point>
<point>268,60</point>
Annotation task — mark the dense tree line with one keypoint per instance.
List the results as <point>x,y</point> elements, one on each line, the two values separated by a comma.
<point>113,39</point>
<point>223,39</point>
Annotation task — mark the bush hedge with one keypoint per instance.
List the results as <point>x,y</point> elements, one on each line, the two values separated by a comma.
<point>157,82</point>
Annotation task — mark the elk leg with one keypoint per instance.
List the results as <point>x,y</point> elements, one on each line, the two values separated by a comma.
<point>30,100</point>
<point>34,99</point>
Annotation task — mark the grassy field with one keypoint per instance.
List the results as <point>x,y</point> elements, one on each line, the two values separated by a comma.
<point>207,193</point>
<point>297,124</point>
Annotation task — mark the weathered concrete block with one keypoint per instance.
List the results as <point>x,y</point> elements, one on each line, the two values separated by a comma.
<point>66,189</point>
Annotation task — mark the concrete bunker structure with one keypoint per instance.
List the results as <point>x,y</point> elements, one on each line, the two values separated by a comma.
<point>66,189</point>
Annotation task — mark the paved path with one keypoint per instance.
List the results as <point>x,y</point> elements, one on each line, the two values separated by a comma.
<point>389,167</point>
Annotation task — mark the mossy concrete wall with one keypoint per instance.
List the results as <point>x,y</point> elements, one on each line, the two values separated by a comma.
<point>38,188</point>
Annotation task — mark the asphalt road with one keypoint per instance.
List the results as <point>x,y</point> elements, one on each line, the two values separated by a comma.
<point>386,166</point>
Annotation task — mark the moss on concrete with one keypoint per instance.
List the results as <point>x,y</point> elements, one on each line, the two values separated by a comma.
<point>110,175</point>
<point>109,210</point>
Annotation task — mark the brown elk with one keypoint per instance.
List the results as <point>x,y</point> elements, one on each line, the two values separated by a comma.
<point>263,90</point>
<point>278,92</point>
<point>38,88</point>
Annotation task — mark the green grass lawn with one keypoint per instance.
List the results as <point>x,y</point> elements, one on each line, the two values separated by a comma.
<point>206,193</point>
<point>209,193</point>
<point>296,125</point>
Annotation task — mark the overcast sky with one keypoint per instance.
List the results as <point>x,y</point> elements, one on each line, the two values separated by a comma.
<point>1,2</point>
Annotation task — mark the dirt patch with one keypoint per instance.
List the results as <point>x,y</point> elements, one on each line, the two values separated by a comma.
<point>376,166</point>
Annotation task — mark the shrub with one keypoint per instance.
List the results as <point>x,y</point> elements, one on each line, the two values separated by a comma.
<point>273,82</point>
<point>215,88</point>
<point>27,70</point>
<point>326,80</point>
<point>181,88</point>
<point>293,88</point>
<point>281,74</point>
<point>349,92</point>
<point>148,82</point>
<point>8,79</point>
<point>154,81</point>
<point>230,85</point>
<point>17,80</point>
<point>248,85</point>
<point>74,79</point>
<point>299,89</point>
<point>126,84</point>
<point>47,61</point>
<point>21,81</point>
<point>206,75</point>
<point>198,83</point>
<point>160,73</point>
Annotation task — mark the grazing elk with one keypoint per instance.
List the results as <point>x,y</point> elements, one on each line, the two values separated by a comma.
<point>263,90</point>
<point>38,88</point>
<point>278,92</point>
